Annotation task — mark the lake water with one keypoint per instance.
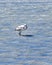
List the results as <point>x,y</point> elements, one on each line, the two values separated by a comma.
<point>35,47</point>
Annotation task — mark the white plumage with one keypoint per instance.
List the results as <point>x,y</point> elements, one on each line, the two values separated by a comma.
<point>21,28</point>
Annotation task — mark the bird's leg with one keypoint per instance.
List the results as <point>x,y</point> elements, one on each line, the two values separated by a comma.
<point>20,33</point>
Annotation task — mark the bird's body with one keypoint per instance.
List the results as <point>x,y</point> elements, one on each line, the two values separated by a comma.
<point>21,28</point>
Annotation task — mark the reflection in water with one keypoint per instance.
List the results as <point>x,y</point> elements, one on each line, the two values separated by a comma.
<point>27,35</point>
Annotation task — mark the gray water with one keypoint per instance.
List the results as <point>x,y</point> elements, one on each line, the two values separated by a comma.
<point>35,47</point>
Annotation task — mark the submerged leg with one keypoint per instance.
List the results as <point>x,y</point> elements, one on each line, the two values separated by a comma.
<point>19,32</point>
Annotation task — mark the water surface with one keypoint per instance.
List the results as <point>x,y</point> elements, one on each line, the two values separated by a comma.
<point>35,46</point>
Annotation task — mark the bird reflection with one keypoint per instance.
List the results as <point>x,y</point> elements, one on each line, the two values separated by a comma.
<point>27,35</point>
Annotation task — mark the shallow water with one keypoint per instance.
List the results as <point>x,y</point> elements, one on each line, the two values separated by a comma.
<point>34,47</point>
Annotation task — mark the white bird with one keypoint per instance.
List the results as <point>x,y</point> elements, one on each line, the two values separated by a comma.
<point>21,28</point>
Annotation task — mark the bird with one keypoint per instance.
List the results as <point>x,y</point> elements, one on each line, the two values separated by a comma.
<point>21,28</point>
